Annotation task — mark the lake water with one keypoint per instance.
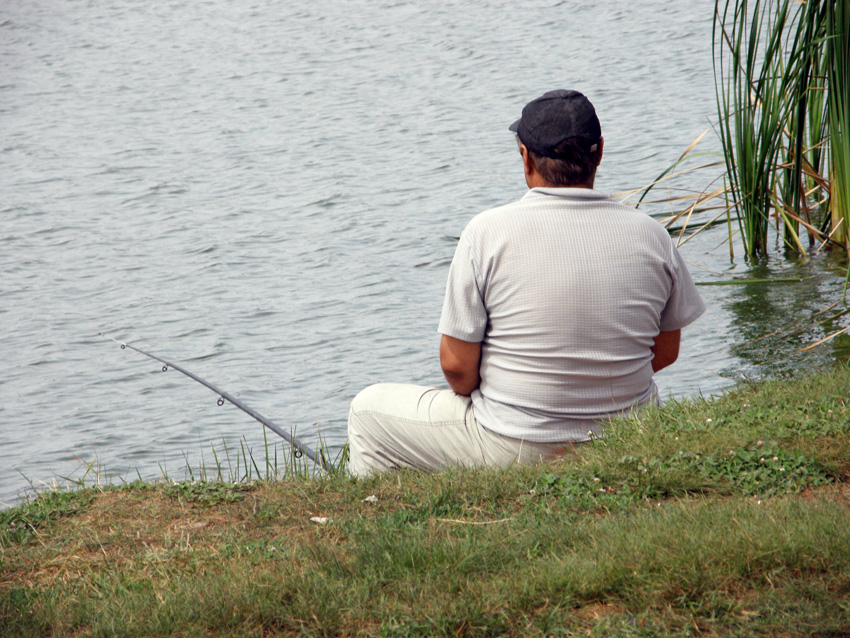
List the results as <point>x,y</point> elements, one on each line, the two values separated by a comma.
<point>268,193</point>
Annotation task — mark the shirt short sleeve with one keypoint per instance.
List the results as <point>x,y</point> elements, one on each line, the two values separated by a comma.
<point>684,305</point>
<point>464,316</point>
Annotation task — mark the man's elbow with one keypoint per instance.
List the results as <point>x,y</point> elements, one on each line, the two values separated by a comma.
<point>663,360</point>
<point>459,362</point>
<point>665,349</point>
<point>463,382</point>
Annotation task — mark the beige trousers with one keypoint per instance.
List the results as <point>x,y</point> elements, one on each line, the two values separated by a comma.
<point>394,425</point>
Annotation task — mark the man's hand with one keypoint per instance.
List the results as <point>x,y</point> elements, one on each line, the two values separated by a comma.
<point>665,350</point>
<point>459,360</point>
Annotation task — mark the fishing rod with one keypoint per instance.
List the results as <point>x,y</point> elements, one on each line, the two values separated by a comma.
<point>300,447</point>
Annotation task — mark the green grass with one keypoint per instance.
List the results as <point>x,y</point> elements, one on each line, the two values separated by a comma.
<point>679,522</point>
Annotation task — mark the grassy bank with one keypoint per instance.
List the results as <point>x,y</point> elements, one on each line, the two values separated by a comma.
<point>725,517</point>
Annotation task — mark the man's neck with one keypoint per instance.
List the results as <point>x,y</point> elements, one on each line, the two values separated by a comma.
<point>536,181</point>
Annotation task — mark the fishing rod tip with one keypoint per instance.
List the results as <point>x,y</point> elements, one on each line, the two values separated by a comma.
<point>111,338</point>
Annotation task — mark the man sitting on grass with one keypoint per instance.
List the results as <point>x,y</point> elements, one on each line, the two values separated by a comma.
<point>558,310</point>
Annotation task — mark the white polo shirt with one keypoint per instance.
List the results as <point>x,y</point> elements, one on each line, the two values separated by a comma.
<point>566,289</point>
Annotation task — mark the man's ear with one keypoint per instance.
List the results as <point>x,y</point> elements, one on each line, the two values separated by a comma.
<point>601,146</point>
<point>528,164</point>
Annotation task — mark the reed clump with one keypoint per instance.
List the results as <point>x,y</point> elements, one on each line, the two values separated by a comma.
<point>723,516</point>
<point>782,77</point>
<point>782,72</point>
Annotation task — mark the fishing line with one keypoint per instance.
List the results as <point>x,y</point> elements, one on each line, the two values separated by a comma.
<point>298,445</point>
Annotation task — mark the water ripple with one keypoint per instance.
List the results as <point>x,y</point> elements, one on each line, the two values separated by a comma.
<point>272,195</point>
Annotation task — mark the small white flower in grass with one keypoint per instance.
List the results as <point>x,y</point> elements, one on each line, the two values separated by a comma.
<point>595,479</point>
<point>759,503</point>
<point>775,458</point>
<point>370,499</point>
<point>731,452</point>
<point>321,520</point>
<point>602,489</point>
<point>759,443</point>
<point>761,460</point>
<point>677,438</point>
<point>781,469</point>
<point>708,420</point>
<point>746,405</point>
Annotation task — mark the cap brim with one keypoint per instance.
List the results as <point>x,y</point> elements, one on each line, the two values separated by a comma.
<point>515,126</point>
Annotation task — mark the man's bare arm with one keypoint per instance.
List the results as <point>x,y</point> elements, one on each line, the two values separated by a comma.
<point>665,350</point>
<point>459,360</point>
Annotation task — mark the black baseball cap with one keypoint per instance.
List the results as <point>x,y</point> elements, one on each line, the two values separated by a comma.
<point>554,117</point>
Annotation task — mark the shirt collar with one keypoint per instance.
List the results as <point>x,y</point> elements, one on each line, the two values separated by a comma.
<point>573,194</point>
